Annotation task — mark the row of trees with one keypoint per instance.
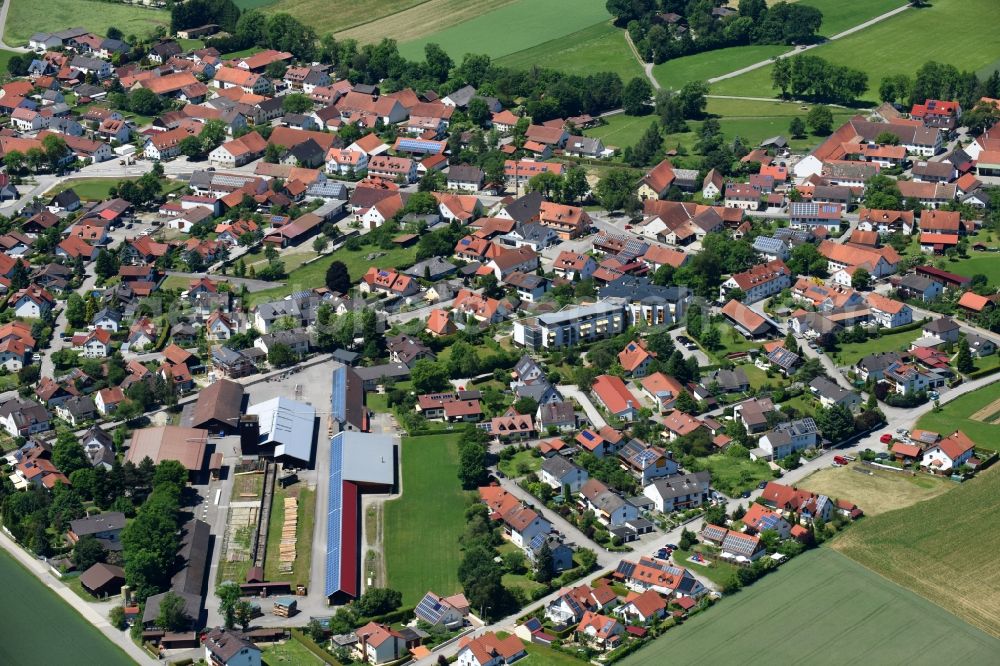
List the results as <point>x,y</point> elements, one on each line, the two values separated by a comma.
<point>809,76</point>
<point>935,80</point>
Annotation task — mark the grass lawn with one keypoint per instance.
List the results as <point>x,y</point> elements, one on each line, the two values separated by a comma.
<point>191,44</point>
<point>303,534</point>
<point>839,15</point>
<point>27,17</point>
<point>755,375</point>
<point>850,353</point>
<point>719,573</point>
<point>523,460</point>
<point>287,652</point>
<point>986,263</point>
<point>357,261</point>
<point>377,402</point>
<point>620,130</point>
<point>521,581</point>
<point>541,655</point>
<point>292,260</point>
<point>732,476</point>
<point>709,64</point>
<point>956,414</point>
<point>242,54</point>
<point>876,493</point>
<point>732,342</point>
<point>427,519</point>
<point>511,28</point>
<point>96,189</point>
<point>876,50</point>
<point>865,619</point>
<point>598,48</point>
<point>916,547</point>
<point>253,4</point>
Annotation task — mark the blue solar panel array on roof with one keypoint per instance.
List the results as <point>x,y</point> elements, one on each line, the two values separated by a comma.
<point>537,541</point>
<point>429,609</point>
<point>335,515</point>
<point>338,405</point>
<point>587,435</point>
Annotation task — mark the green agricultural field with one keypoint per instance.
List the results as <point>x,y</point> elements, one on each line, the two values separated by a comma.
<point>983,404</point>
<point>943,549</point>
<point>27,17</point>
<point>422,18</point>
<point>821,608</point>
<point>511,28</point>
<point>314,274</point>
<point>878,52</point>
<point>25,599</point>
<point>427,519</point>
<point>244,5</point>
<point>703,66</point>
<point>840,15</point>
<point>850,353</point>
<point>598,48</point>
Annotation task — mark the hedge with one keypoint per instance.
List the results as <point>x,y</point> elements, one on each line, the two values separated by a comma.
<point>309,644</point>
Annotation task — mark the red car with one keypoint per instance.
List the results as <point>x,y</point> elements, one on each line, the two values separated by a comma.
<point>886,438</point>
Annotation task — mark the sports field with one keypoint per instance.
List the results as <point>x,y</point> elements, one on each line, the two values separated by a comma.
<point>821,608</point>
<point>598,48</point>
<point>973,414</point>
<point>511,28</point>
<point>877,492</point>
<point>949,26</point>
<point>40,628</point>
<point>423,527</point>
<point>943,549</point>
<point>27,17</point>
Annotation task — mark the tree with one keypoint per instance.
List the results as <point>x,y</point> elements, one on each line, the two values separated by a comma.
<point>806,260</point>
<point>478,112</point>
<point>692,99</point>
<point>14,160</point>
<point>429,376</point>
<point>686,403</point>
<point>116,616</point>
<point>75,310</point>
<point>636,95</point>
<point>281,355</point>
<point>87,552</point>
<point>544,563</point>
<point>378,601</point>
<point>820,120</point>
<point>338,279</point>
<point>836,423</point>
<point>861,279</point>
<point>882,192</point>
<point>526,405</point>
<point>587,558</point>
<point>616,191</point>
<point>144,102</point>
<point>964,361</point>
<point>244,614</point>
<point>68,455</point>
<point>711,338</point>
<point>797,128</point>
<point>437,62</point>
<point>106,265</point>
<point>229,597</point>
<point>296,103</point>
<point>172,616</point>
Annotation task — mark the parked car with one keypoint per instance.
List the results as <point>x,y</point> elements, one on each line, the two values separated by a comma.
<point>886,438</point>
<point>746,493</point>
<point>840,460</point>
<point>762,485</point>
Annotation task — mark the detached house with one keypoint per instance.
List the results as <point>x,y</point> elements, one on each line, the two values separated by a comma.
<point>949,453</point>
<point>758,282</point>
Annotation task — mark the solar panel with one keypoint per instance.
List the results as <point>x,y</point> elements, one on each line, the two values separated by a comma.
<point>338,405</point>
<point>334,517</point>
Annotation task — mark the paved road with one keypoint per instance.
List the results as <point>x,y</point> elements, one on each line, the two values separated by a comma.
<point>703,359</point>
<point>573,391</point>
<point>803,49</point>
<point>647,67</point>
<point>3,28</point>
<point>47,366</point>
<point>42,572</point>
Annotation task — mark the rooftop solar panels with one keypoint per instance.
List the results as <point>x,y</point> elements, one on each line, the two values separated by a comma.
<point>338,405</point>
<point>429,609</point>
<point>334,516</point>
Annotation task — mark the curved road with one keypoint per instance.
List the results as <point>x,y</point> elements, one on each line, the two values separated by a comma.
<point>3,27</point>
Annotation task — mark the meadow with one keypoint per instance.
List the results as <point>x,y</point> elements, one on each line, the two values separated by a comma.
<point>704,66</point>
<point>597,48</point>
<point>840,15</point>
<point>877,493</point>
<point>948,26</point>
<point>943,549</point>
<point>850,353</point>
<point>956,414</point>
<point>821,608</point>
<point>422,528</point>
<point>512,27</point>
<point>26,17</point>
<point>97,189</point>
<point>332,15</point>
<point>420,19</point>
<point>985,263</point>
<point>30,611</point>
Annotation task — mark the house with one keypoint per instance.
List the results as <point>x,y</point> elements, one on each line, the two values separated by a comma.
<point>21,417</point>
<point>609,507</point>
<point>408,350</point>
<point>974,303</point>
<point>561,554</point>
<point>465,178</point>
<point>635,359</point>
<point>944,328</point>
<point>679,492</point>
<point>105,527</point>
<point>930,195</point>
<point>886,222</point>
<point>107,319</point>
<point>529,286</point>
<point>611,392</point>
<point>809,215</point>
<point>949,453</point>
<point>521,523</point>
<point>108,399</point>
<point>656,183</point>
<point>76,410</point>
<point>646,302</point>
<point>506,261</point>
<point>788,438</point>
<point>759,518</point>
<point>879,262</point>
<point>980,346</point>
<point>219,326</point>
<point>642,608</point>
<point>831,394</point>
<point>93,344</point>
<point>559,415</point>
<point>660,576</point>
<point>746,321</point>
<point>938,114</point>
<point>227,647</point>
<point>919,286</point>
<point>379,644</point>
<point>712,185</point>
<point>443,612</point>
<point>510,426</point>
<point>574,266</point>
<point>661,389</point>
<point>489,650</point>
<point>743,196</point>
<point>888,312</point>
<point>597,444</point>
<point>238,152</point>
<point>728,381</point>
<point>758,282</point>
<point>103,579</point>
<point>558,472</point>
<point>646,462</point>
<point>99,447</point>
<point>753,413</point>
<point>600,630</point>
<point>389,282</point>
<point>32,302</point>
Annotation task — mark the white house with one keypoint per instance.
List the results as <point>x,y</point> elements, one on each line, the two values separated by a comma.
<point>789,437</point>
<point>951,452</point>
<point>888,312</point>
<point>524,524</point>
<point>679,492</point>
<point>559,472</point>
<point>225,647</point>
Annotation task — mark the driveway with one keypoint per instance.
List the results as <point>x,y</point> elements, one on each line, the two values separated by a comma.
<point>702,358</point>
<point>572,391</point>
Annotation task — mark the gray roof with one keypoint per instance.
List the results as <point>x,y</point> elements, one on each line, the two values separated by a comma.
<point>435,267</point>
<point>558,466</point>
<point>916,282</point>
<point>462,96</point>
<point>828,389</point>
<point>388,370</point>
<point>569,314</point>
<point>941,325</point>
<point>769,245</point>
<point>465,173</point>
<point>287,424</point>
<point>682,484</point>
<point>640,289</point>
<point>101,522</point>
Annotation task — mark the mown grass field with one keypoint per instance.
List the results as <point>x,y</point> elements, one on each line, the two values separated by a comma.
<point>956,413</point>
<point>821,608</point>
<point>27,17</point>
<point>943,549</point>
<point>703,66</point>
<point>849,354</point>
<point>420,19</point>
<point>986,263</point>
<point>423,527</point>
<point>314,274</point>
<point>731,476</point>
<point>512,27</point>
<point>949,26</point>
<point>840,15</point>
<point>332,15</point>
<point>96,189</point>
<point>876,493</point>
<point>598,48</point>
<point>25,600</point>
